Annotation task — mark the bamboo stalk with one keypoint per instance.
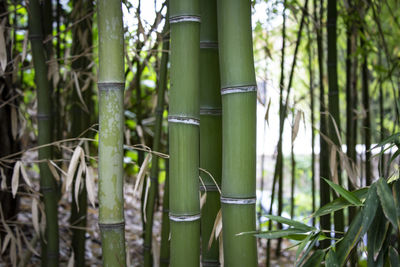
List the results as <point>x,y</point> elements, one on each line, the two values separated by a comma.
<point>333,105</point>
<point>239,132</point>
<point>162,84</point>
<point>111,124</point>
<point>165,229</point>
<point>184,133</point>
<point>50,242</point>
<point>325,221</point>
<point>80,119</point>
<point>210,128</point>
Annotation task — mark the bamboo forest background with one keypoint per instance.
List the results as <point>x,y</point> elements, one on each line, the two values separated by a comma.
<point>327,143</point>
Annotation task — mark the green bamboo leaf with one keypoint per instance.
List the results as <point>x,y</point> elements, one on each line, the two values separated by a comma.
<point>377,236</point>
<point>315,259</point>
<point>331,259</point>
<point>394,156</point>
<point>390,140</point>
<point>279,233</point>
<point>350,197</point>
<point>309,248</point>
<point>295,224</point>
<point>350,238</point>
<point>387,202</point>
<point>369,210</point>
<point>394,257</point>
<point>339,203</point>
<point>302,246</point>
<point>396,195</point>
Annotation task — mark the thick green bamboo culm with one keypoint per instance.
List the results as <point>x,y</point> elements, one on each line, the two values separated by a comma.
<point>152,192</point>
<point>210,128</point>
<point>184,133</point>
<point>239,92</point>
<point>50,242</point>
<point>111,85</point>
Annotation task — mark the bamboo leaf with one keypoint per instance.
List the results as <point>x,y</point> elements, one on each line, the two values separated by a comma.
<point>369,209</point>
<point>396,196</point>
<point>71,261</point>
<point>3,50</point>
<point>296,126</point>
<point>333,165</point>
<point>78,92</point>
<point>53,171</point>
<point>377,235</point>
<point>266,117</point>
<point>302,246</point>
<point>5,242</point>
<point>203,199</point>
<point>25,176</point>
<point>279,233</point>
<point>295,224</point>
<point>28,244</point>
<point>387,201</point>
<point>24,46</point>
<point>90,187</point>
<point>310,246</point>
<point>339,203</point>
<point>217,221</point>
<point>344,193</point>
<point>142,172</point>
<point>35,215</point>
<point>78,183</point>
<point>331,259</point>
<point>394,257</point>
<point>72,167</point>
<point>15,178</point>
<point>3,179</point>
<point>390,140</point>
<point>315,259</point>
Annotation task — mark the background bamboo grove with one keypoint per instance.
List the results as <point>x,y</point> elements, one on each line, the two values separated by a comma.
<point>199,133</point>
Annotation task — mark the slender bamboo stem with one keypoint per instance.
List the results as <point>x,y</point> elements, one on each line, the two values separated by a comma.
<point>50,242</point>
<point>80,119</point>
<point>165,231</point>
<point>152,192</point>
<point>184,133</point>
<point>210,128</point>
<point>325,221</point>
<point>239,132</point>
<point>111,124</point>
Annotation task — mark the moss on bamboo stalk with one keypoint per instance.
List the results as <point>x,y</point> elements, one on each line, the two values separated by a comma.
<point>111,125</point>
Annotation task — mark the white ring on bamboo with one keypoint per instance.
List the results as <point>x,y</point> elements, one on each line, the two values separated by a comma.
<point>238,201</point>
<point>184,120</point>
<point>184,218</point>
<point>184,18</point>
<point>238,89</point>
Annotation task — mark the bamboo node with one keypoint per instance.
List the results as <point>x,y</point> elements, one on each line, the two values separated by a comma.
<point>209,188</point>
<point>184,18</point>
<point>210,263</point>
<point>238,201</point>
<point>209,44</point>
<point>210,111</point>
<point>238,89</point>
<point>42,116</point>
<point>105,86</point>
<point>184,218</point>
<point>111,226</point>
<point>184,120</point>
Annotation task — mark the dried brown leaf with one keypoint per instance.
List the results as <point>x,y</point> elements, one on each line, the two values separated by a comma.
<point>25,175</point>
<point>142,172</point>
<point>3,179</point>
<point>71,260</point>
<point>78,182</point>
<point>296,125</point>
<point>78,91</point>
<point>3,49</point>
<point>35,215</point>
<point>15,178</point>
<point>14,122</point>
<point>217,222</point>
<point>90,187</point>
<point>24,46</point>
<point>6,241</point>
<point>72,167</point>
<point>53,171</point>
